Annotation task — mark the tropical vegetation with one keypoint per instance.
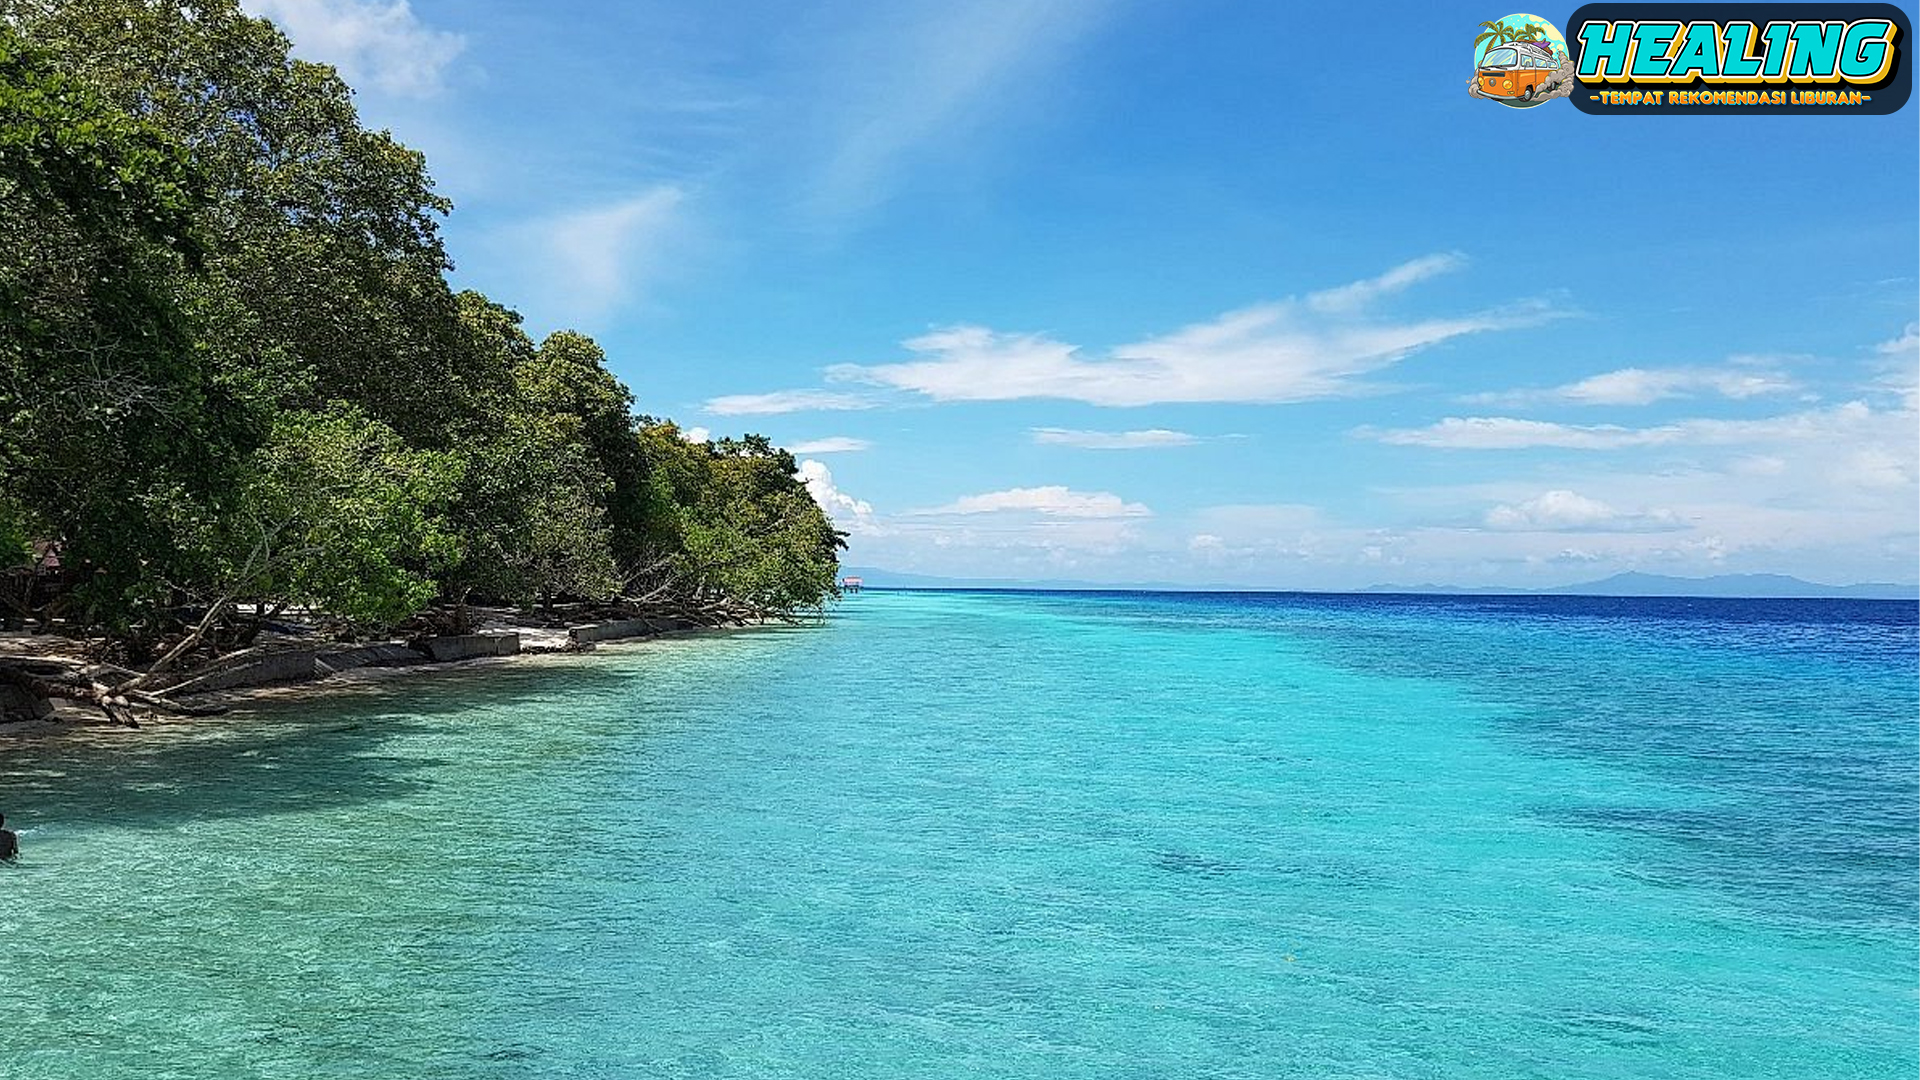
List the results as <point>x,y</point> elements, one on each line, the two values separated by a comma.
<point>235,380</point>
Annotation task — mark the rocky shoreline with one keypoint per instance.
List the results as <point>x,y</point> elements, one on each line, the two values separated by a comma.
<point>294,668</point>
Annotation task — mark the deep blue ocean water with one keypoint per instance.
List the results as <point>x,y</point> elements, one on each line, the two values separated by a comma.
<point>1015,835</point>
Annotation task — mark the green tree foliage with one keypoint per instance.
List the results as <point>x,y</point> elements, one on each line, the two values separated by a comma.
<point>14,534</point>
<point>733,518</point>
<point>567,379</point>
<point>530,512</point>
<point>324,249</point>
<point>112,421</point>
<point>533,502</point>
<point>231,367</point>
<point>337,512</point>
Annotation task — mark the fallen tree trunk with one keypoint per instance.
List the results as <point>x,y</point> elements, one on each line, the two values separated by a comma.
<point>68,682</point>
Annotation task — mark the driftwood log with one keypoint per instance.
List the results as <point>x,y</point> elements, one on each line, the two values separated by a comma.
<point>60,679</point>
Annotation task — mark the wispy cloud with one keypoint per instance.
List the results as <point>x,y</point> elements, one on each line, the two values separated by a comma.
<point>1357,295</point>
<point>1260,534</point>
<point>377,42</point>
<point>1566,511</point>
<point>928,76</point>
<point>601,256</point>
<point>1830,506</point>
<point>788,401</point>
<point>1900,366</point>
<point>1149,439</point>
<point>1292,350</point>
<point>1644,386</point>
<point>1050,501</point>
<point>1906,346</point>
<point>1512,433</point>
<point>577,267</point>
<point>833,444</point>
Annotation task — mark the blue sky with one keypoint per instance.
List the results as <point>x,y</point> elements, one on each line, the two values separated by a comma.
<point>1130,291</point>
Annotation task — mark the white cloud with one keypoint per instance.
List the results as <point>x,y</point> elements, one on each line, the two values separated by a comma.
<point>1050,501</point>
<point>1900,366</point>
<point>380,42</point>
<point>599,257</point>
<point>1827,494</point>
<point>1255,536</point>
<point>697,435</point>
<point>1644,386</point>
<point>923,79</point>
<point>1876,467</point>
<point>1003,546</point>
<point>788,401</point>
<point>575,268</point>
<point>1039,531</point>
<point>1244,520</point>
<point>1687,520</point>
<point>1511,433</point>
<point>1359,294</point>
<point>1151,438</point>
<point>833,444</point>
<point>1288,351</point>
<point>1906,346</point>
<point>1566,511</point>
<point>851,514</point>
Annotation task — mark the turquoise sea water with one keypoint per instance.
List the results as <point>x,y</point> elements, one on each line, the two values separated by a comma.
<point>1036,835</point>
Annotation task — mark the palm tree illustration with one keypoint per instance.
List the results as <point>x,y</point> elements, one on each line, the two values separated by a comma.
<point>1499,33</point>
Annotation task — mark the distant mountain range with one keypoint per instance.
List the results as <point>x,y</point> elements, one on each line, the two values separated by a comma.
<point>1627,584</point>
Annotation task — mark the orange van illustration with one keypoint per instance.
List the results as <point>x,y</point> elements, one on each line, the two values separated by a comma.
<point>1516,70</point>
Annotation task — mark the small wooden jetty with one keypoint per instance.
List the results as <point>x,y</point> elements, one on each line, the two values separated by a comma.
<point>851,584</point>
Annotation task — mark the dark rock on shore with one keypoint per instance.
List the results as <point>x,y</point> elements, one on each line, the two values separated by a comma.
<point>18,706</point>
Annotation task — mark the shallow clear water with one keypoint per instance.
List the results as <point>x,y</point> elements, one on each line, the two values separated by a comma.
<point>991,835</point>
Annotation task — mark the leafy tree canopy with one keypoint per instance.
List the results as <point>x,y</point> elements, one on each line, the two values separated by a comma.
<point>232,368</point>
